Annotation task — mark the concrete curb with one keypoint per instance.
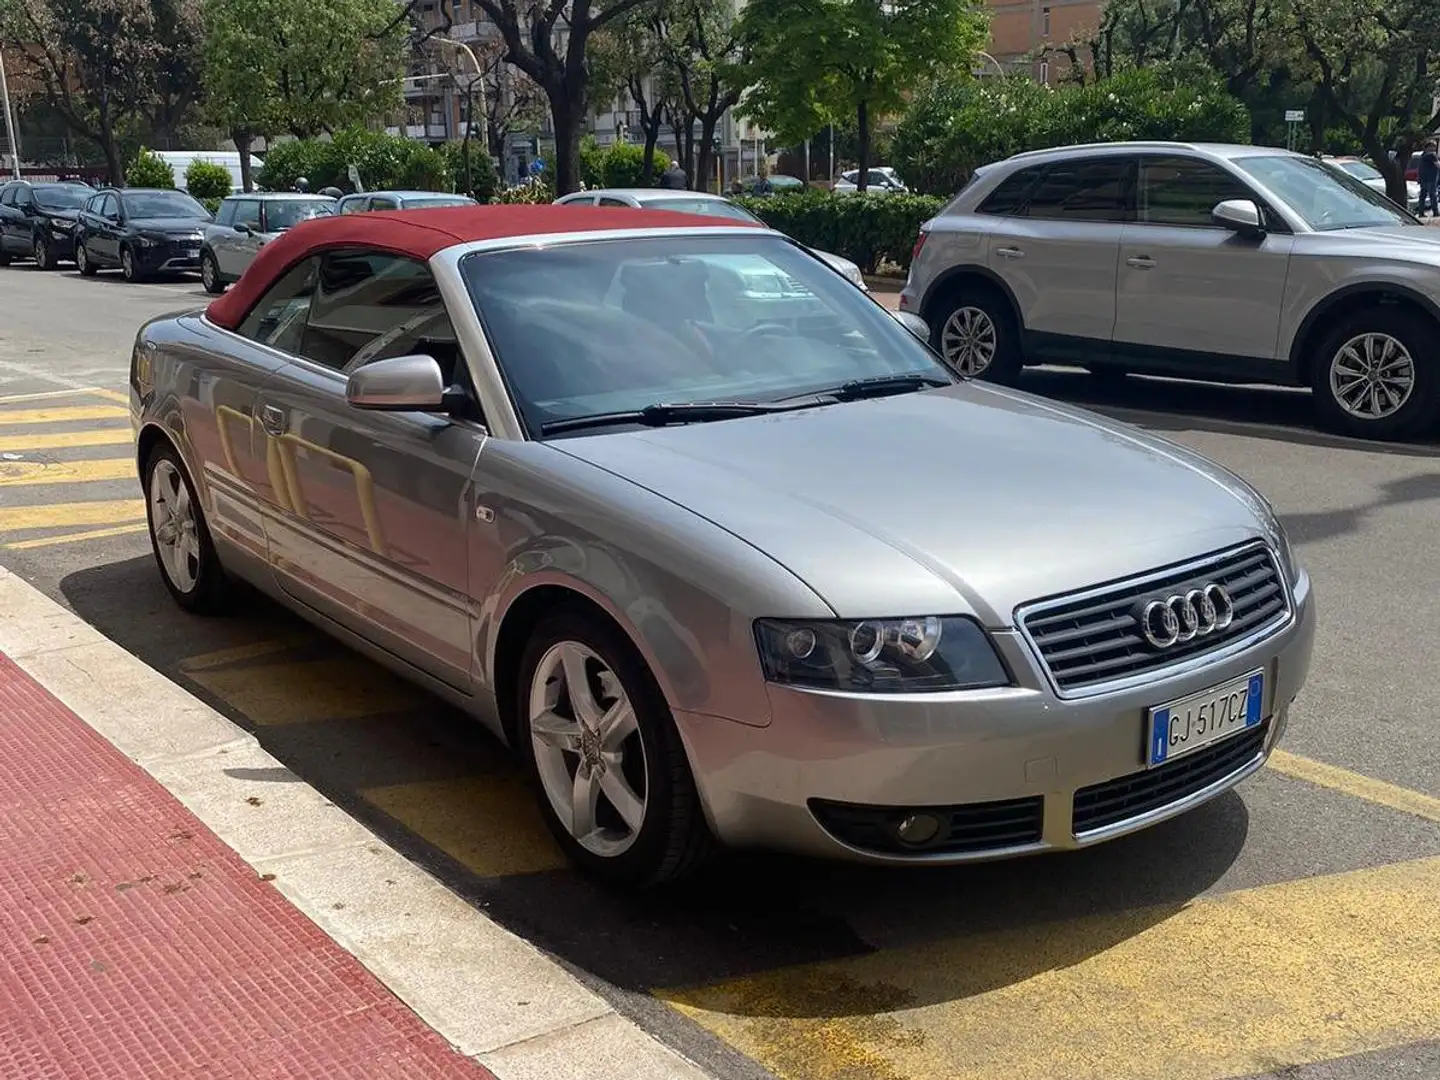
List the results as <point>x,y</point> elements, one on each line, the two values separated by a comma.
<point>489,993</point>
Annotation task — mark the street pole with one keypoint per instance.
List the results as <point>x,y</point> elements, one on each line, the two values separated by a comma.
<point>9,120</point>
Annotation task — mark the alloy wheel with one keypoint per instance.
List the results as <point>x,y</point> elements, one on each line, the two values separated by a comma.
<point>588,752</point>
<point>42,255</point>
<point>82,261</point>
<point>127,265</point>
<point>207,273</point>
<point>173,521</point>
<point>1372,376</point>
<point>969,340</point>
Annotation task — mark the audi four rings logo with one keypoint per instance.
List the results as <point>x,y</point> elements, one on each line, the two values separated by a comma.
<point>1186,616</point>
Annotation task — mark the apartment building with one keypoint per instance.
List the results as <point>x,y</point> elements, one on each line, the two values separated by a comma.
<point>1019,28</point>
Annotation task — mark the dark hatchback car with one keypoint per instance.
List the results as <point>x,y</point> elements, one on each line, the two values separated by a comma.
<point>37,221</point>
<point>143,231</point>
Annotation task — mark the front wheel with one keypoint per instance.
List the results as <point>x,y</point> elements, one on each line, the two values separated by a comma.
<point>82,260</point>
<point>1378,375</point>
<point>210,275</point>
<point>41,251</point>
<point>977,335</point>
<point>129,268</point>
<point>184,552</point>
<point>615,783</point>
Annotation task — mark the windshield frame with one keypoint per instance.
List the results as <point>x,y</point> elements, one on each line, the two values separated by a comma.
<point>1400,216</point>
<point>521,421</point>
<point>126,196</point>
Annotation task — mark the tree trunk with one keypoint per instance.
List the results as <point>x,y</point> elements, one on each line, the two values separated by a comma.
<point>688,157</point>
<point>243,141</point>
<point>1393,169</point>
<point>110,145</point>
<point>566,114</point>
<point>647,163</point>
<point>862,145</point>
<point>469,179</point>
<point>705,167</point>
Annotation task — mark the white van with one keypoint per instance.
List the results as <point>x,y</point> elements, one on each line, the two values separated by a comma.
<point>179,161</point>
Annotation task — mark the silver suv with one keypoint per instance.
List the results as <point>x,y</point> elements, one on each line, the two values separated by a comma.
<point>1241,264</point>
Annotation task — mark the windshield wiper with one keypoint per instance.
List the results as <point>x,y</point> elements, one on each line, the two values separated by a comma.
<point>681,412</point>
<point>884,385</point>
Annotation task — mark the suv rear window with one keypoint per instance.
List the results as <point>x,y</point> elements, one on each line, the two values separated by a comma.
<point>1012,194</point>
<point>1088,189</point>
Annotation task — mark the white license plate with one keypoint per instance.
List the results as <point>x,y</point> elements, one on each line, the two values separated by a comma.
<point>192,253</point>
<point>1187,725</point>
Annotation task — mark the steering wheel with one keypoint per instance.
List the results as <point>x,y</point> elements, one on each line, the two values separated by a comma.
<point>765,329</point>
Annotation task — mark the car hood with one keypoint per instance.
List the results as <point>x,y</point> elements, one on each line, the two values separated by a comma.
<point>168,226</point>
<point>68,213</point>
<point>970,499</point>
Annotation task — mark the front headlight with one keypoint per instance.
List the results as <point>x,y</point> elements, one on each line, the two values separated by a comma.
<point>925,654</point>
<point>61,225</point>
<point>147,241</point>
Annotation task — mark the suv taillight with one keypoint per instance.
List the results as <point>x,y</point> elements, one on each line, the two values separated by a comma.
<point>919,243</point>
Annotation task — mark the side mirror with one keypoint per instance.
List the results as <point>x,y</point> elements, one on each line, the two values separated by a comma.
<point>914,323</point>
<point>243,229</point>
<point>1239,215</point>
<point>398,384</point>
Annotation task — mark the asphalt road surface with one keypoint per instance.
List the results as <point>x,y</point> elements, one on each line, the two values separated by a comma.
<point>1289,929</point>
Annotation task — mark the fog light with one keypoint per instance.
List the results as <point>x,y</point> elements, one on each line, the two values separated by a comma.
<point>918,828</point>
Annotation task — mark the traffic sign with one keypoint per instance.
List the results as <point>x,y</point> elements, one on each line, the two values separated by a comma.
<point>1294,116</point>
<point>537,167</point>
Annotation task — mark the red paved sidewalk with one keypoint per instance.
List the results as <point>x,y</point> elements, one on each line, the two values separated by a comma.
<point>134,944</point>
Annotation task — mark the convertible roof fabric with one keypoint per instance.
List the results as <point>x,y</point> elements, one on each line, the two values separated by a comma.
<point>419,234</point>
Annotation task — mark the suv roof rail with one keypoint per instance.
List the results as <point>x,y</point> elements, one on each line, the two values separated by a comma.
<point>1144,144</point>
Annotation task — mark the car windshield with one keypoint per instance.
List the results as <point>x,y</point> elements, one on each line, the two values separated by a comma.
<point>614,326</point>
<point>708,207</point>
<point>1325,199</point>
<point>282,214</point>
<point>1360,170</point>
<point>162,204</point>
<point>62,196</point>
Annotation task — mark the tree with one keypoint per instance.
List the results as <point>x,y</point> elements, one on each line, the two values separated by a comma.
<point>94,62</point>
<point>701,43</point>
<point>626,60</point>
<point>813,61</point>
<point>177,72</point>
<point>547,40</point>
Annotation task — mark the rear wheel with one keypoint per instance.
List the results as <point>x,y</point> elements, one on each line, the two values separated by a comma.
<point>184,552</point>
<point>1377,375</point>
<point>210,274</point>
<point>976,333</point>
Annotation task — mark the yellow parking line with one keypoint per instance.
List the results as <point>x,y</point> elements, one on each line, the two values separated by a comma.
<point>110,395</point>
<point>71,538</point>
<point>1356,785</point>
<point>488,824</point>
<point>61,440</point>
<point>239,653</point>
<point>61,415</point>
<point>308,691</point>
<point>1245,983</point>
<point>62,515</point>
<point>22,473</point>
<point>43,395</point>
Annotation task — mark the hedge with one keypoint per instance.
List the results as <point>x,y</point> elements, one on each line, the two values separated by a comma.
<point>385,162</point>
<point>207,180</point>
<point>149,171</point>
<point>864,227</point>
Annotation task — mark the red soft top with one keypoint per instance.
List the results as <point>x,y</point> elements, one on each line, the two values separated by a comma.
<point>420,234</point>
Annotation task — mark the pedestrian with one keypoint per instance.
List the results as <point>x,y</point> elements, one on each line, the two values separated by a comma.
<point>1429,177</point>
<point>674,178</point>
<point>302,185</point>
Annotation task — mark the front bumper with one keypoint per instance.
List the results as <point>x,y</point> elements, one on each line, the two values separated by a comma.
<point>1024,752</point>
<point>169,256</point>
<point>61,243</point>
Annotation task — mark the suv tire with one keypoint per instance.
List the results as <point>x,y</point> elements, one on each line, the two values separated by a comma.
<point>1371,359</point>
<point>973,328</point>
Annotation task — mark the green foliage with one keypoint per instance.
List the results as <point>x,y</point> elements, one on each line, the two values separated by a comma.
<point>385,162</point>
<point>527,192</point>
<point>211,204</point>
<point>955,126</point>
<point>865,228</point>
<point>484,177</point>
<point>207,180</point>
<point>621,166</point>
<point>149,171</point>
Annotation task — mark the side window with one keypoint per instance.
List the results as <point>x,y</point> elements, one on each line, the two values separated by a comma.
<point>7,196</point>
<point>226,214</point>
<point>278,320</point>
<point>1085,189</point>
<point>1012,194</point>
<point>371,305</point>
<point>1183,191</point>
<point>352,206</point>
<point>23,197</point>
<point>247,212</point>
<point>383,204</point>
<point>110,208</point>
<point>606,200</point>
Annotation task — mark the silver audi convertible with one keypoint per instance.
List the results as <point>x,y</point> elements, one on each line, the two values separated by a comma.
<point>717,543</point>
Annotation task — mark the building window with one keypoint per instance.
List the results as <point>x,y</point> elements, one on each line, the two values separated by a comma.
<point>1045,72</point>
<point>1045,22</point>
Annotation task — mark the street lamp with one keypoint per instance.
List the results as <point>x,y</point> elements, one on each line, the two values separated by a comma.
<point>9,120</point>
<point>469,107</point>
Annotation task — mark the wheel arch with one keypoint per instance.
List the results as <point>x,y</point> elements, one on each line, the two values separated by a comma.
<point>945,285</point>
<point>1344,302</point>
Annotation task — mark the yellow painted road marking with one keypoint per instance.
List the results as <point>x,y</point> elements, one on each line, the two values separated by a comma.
<point>16,473</point>
<point>71,538</point>
<point>489,824</point>
<point>64,414</point>
<point>1248,982</point>
<point>110,395</point>
<point>1356,785</point>
<point>239,653</point>
<point>44,395</point>
<point>61,515</point>
<point>60,440</point>
<point>308,691</point>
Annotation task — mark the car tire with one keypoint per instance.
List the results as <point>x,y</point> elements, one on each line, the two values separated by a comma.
<point>672,838</point>
<point>210,274</point>
<point>975,331</point>
<point>129,268</point>
<point>1370,358</point>
<point>190,568</point>
<point>5,258</point>
<point>83,262</point>
<point>40,251</point>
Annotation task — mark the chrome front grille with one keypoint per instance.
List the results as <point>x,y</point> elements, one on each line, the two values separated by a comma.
<point>1096,637</point>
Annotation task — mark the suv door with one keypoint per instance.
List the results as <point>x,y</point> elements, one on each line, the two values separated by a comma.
<point>7,211</point>
<point>1055,241</point>
<point>373,529</point>
<point>19,221</point>
<point>234,249</point>
<point>105,246</point>
<point>1189,285</point>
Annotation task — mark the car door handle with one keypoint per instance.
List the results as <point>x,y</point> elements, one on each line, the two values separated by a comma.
<point>1140,262</point>
<point>1010,253</point>
<point>272,420</point>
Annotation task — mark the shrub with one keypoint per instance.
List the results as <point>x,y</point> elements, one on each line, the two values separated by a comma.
<point>484,177</point>
<point>212,204</point>
<point>531,192</point>
<point>314,159</point>
<point>384,162</point>
<point>207,180</point>
<point>622,165</point>
<point>149,171</point>
<point>865,228</point>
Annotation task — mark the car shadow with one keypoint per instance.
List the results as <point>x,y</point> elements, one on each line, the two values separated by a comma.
<point>747,913</point>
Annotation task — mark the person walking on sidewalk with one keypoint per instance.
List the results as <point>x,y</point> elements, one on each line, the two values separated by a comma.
<point>674,178</point>
<point>1429,177</point>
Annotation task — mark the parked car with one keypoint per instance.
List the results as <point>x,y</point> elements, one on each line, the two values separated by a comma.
<point>1226,263</point>
<point>399,200</point>
<point>779,182</point>
<point>693,202</point>
<point>246,223</point>
<point>882,180</point>
<point>37,221</point>
<point>143,231</point>
<point>1372,177</point>
<point>656,523</point>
